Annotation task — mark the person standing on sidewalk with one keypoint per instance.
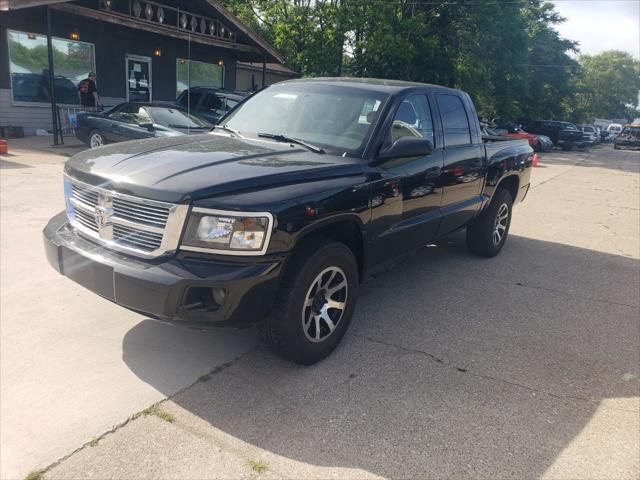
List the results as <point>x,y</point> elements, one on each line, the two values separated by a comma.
<point>88,93</point>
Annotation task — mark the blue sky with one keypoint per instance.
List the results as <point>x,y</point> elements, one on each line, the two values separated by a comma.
<point>601,25</point>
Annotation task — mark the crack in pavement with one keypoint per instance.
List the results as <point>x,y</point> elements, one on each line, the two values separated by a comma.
<point>548,289</point>
<point>446,363</point>
<point>367,286</point>
<point>614,235</point>
<point>136,415</point>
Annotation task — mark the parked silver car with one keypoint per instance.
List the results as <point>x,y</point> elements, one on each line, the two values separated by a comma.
<point>589,134</point>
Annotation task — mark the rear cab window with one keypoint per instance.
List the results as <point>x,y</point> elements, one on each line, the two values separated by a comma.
<point>455,122</point>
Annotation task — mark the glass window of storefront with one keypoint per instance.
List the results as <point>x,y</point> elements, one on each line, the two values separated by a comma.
<point>29,67</point>
<point>198,75</point>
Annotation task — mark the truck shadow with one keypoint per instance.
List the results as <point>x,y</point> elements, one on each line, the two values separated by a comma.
<point>454,366</point>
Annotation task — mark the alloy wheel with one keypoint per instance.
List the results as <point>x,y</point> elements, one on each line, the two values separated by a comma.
<point>325,303</point>
<point>501,222</point>
<point>96,140</point>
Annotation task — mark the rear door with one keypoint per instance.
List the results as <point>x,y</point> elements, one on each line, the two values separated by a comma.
<point>464,163</point>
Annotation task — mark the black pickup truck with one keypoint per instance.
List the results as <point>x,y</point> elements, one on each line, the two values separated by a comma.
<point>279,213</point>
<point>563,134</point>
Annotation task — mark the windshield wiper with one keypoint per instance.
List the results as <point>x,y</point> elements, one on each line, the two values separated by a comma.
<point>227,128</point>
<point>283,138</point>
<point>176,125</point>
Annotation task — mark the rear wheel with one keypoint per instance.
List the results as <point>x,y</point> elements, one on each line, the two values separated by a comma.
<point>316,302</point>
<point>96,139</point>
<point>487,234</point>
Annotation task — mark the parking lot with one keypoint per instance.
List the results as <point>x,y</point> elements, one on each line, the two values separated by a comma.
<point>524,365</point>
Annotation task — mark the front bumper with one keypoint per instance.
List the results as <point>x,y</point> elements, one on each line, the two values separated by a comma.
<point>627,145</point>
<point>164,288</point>
<point>568,142</point>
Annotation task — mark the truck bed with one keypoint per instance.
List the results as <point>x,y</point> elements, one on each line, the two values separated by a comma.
<point>495,144</point>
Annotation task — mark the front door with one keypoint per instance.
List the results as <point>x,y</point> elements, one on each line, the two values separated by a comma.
<point>138,71</point>
<point>406,204</point>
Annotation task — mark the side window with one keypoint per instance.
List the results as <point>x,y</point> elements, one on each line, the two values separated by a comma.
<point>231,104</point>
<point>212,103</point>
<point>142,116</point>
<point>454,120</point>
<point>191,97</point>
<point>124,114</point>
<point>182,100</point>
<point>117,111</point>
<point>413,119</point>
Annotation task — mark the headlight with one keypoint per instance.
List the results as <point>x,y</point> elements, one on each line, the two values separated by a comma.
<point>231,233</point>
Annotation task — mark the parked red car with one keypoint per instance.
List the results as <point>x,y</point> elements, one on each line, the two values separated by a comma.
<point>515,131</point>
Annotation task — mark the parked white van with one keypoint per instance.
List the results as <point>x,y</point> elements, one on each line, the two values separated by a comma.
<point>614,128</point>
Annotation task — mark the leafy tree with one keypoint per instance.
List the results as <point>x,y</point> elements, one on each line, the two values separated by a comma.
<point>505,53</point>
<point>607,86</point>
<point>549,66</point>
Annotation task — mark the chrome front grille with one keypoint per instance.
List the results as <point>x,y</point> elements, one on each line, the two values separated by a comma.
<point>141,213</point>
<point>146,228</point>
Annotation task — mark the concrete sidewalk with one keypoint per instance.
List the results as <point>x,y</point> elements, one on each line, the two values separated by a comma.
<point>31,149</point>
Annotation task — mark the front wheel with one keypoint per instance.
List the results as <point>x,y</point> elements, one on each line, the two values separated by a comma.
<point>96,139</point>
<point>487,234</point>
<point>316,302</point>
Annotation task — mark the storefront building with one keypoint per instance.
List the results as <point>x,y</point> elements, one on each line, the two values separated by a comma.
<point>249,75</point>
<point>140,50</point>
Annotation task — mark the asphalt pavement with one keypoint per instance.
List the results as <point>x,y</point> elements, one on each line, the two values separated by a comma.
<point>524,365</point>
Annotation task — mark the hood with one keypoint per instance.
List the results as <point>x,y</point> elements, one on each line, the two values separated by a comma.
<point>179,169</point>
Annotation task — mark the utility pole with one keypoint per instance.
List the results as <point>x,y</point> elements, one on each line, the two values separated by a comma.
<point>52,85</point>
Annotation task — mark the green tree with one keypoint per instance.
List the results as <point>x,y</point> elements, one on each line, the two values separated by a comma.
<point>506,54</point>
<point>607,86</point>
<point>549,64</point>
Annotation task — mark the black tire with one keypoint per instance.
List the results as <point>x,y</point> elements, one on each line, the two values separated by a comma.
<point>481,236</point>
<point>283,331</point>
<point>537,147</point>
<point>565,148</point>
<point>99,139</point>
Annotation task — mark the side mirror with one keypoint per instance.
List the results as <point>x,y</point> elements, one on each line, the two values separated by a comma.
<point>148,126</point>
<point>407,147</point>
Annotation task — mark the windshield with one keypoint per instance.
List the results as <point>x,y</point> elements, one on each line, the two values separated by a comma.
<point>176,118</point>
<point>332,117</point>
